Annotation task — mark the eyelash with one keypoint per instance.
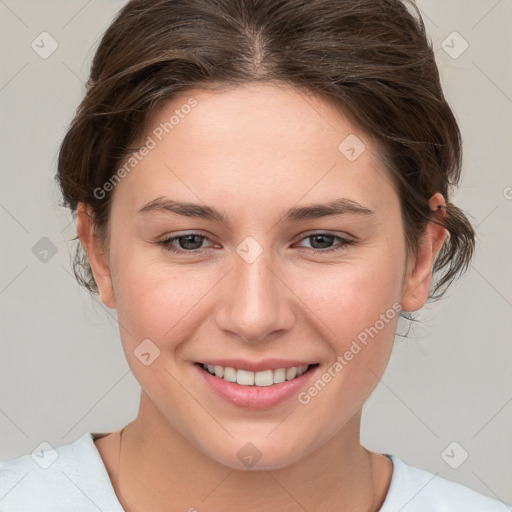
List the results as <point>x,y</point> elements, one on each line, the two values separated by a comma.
<point>167,243</point>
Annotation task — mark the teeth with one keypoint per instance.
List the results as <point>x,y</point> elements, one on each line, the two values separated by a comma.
<point>245,378</point>
<point>265,378</point>
<point>230,374</point>
<point>301,370</point>
<point>291,373</point>
<point>279,375</point>
<point>260,379</point>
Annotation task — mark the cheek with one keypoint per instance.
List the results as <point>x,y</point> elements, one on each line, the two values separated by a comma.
<point>352,295</point>
<point>157,301</point>
<point>357,307</point>
<point>160,304</point>
<point>361,310</point>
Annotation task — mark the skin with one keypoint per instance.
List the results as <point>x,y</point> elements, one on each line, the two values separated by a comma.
<point>253,152</point>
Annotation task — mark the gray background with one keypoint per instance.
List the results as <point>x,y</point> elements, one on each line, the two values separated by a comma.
<point>62,369</point>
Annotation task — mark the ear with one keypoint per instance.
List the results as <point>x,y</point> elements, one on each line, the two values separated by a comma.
<point>419,275</point>
<point>97,257</point>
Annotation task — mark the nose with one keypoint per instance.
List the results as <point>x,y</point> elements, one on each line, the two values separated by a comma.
<point>257,304</point>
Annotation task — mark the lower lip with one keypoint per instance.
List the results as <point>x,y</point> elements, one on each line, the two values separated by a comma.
<point>255,397</point>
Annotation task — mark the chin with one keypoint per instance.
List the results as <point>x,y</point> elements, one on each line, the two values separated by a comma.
<point>273,463</point>
<point>257,456</point>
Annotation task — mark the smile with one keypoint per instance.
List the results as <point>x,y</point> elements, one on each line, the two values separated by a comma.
<point>259,379</point>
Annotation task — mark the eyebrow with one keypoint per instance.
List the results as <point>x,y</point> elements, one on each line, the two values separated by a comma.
<point>342,206</point>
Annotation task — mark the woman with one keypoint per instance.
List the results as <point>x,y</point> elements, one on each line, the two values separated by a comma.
<point>261,189</point>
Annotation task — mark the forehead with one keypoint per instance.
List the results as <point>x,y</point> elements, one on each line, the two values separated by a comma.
<point>266,141</point>
<point>260,109</point>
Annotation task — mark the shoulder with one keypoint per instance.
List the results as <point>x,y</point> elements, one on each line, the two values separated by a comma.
<point>415,490</point>
<point>69,477</point>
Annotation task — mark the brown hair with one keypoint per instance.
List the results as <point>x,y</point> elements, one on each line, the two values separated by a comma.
<point>371,57</point>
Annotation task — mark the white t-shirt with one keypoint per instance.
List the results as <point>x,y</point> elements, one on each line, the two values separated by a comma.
<point>73,478</point>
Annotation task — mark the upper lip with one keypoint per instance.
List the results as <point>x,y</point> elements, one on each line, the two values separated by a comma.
<point>256,366</point>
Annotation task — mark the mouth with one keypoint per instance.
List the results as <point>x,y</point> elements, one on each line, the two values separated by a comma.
<point>263,378</point>
<point>255,385</point>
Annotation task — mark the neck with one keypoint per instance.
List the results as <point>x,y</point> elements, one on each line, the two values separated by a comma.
<point>158,466</point>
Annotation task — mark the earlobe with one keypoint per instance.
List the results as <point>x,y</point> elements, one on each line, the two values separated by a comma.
<point>419,278</point>
<point>97,258</point>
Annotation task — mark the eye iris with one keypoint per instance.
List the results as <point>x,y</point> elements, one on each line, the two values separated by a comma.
<point>329,239</point>
<point>187,239</point>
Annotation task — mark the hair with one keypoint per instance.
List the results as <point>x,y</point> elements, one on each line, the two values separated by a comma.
<point>372,58</point>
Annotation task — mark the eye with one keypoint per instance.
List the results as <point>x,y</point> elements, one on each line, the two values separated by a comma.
<point>324,240</point>
<point>191,243</point>
<point>188,242</point>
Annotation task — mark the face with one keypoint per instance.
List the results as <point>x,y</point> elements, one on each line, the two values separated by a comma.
<point>256,278</point>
